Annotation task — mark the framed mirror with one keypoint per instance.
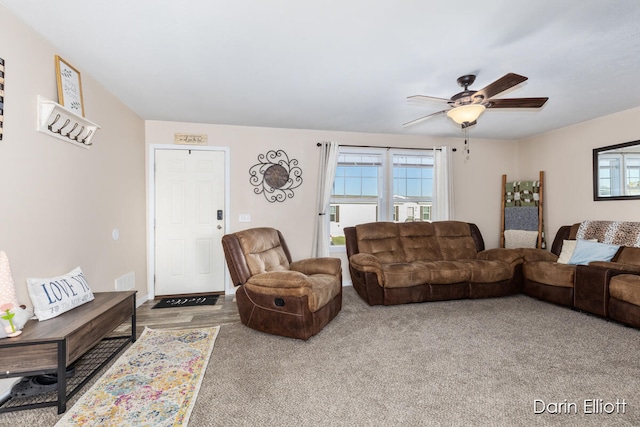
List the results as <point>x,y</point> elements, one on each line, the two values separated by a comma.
<point>616,172</point>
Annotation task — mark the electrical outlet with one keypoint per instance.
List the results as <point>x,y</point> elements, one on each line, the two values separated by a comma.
<point>244,218</point>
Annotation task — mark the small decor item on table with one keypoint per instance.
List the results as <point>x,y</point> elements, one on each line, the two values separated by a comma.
<point>9,315</point>
<point>275,176</point>
<point>16,315</point>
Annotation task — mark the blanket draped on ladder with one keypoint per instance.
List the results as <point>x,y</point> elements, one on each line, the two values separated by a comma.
<point>521,214</point>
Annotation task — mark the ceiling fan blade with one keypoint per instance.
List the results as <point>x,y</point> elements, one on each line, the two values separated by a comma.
<point>517,103</point>
<point>427,98</point>
<point>503,83</point>
<point>413,122</point>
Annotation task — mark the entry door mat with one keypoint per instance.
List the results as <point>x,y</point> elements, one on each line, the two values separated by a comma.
<point>187,301</point>
<point>154,383</point>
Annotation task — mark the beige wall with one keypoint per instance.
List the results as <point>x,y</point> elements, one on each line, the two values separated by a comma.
<point>61,202</point>
<point>566,157</point>
<point>476,181</point>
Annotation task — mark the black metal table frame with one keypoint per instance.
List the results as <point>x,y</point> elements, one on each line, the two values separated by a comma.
<point>62,394</point>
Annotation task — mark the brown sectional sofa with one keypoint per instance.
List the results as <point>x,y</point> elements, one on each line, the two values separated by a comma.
<point>395,263</point>
<point>605,288</point>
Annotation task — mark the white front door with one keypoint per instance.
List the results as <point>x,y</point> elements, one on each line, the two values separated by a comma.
<point>189,221</point>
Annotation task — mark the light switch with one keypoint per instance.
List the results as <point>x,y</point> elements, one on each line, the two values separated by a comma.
<point>244,218</point>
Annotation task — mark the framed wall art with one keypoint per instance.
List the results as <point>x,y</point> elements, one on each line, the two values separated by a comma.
<point>275,176</point>
<point>69,86</point>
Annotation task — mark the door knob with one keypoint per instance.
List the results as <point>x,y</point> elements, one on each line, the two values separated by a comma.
<point>219,227</point>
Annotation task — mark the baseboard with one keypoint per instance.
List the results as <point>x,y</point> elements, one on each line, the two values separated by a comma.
<point>141,299</point>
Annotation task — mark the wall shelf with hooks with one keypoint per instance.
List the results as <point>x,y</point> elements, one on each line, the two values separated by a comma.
<point>61,123</point>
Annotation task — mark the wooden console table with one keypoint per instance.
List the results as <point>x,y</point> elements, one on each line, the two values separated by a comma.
<point>80,336</point>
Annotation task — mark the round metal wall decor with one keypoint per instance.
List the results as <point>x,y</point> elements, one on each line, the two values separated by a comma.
<point>275,176</point>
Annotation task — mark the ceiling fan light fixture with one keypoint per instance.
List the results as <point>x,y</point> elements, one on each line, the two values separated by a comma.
<point>466,113</point>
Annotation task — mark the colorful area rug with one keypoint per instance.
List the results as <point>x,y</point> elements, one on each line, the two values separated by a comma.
<point>187,301</point>
<point>154,383</point>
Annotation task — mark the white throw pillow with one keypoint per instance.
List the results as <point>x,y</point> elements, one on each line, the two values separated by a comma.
<point>568,246</point>
<point>520,239</point>
<point>52,297</point>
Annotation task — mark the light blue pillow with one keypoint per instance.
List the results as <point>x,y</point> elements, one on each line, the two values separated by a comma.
<point>587,251</point>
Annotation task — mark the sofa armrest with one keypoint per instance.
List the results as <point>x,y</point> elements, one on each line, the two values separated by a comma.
<point>310,266</point>
<point>367,263</point>
<point>280,279</point>
<point>618,266</point>
<point>501,254</point>
<point>534,254</point>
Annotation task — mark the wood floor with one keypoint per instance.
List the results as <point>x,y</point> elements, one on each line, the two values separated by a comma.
<point>223,312</point>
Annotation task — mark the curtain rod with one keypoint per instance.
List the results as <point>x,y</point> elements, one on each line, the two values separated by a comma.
<point>388,148</point>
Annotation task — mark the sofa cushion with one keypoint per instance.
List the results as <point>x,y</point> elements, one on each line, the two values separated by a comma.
<point>454,240</point>
<point>550,273</point>
<point>625,287</point>
<point>445,272</point>
<point>382,240</point>
<point>404,274</point>
<point>628,255</point>
<point>262,250</point>
<point>319,288</point>
<point>587,251</point>
<point>324,288</point>
<point>419,242</point>
<point>486,271</point>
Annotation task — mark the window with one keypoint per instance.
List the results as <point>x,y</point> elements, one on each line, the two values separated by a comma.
<point>334,213</point>
<point>425,212</point>
<point>619,174</point>
<point>632,176</point>
<point>380,185</point>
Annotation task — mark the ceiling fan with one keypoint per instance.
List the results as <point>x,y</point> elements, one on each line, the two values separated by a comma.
<point>466,106</point>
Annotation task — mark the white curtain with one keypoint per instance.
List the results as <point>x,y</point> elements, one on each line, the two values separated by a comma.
<point>327,173</point>
<point>442,185</point>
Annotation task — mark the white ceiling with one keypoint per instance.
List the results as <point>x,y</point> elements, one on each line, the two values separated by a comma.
<point>349,65</point>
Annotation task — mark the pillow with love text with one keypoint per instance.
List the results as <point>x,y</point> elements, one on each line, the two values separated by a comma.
<point>54,296</point>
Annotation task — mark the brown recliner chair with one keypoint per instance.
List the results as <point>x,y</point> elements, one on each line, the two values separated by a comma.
<point>275,295</point>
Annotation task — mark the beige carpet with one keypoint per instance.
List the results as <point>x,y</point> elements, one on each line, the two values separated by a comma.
<point>454,363</point>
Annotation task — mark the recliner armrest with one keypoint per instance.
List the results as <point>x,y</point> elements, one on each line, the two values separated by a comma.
<point>631,268</point>
<point>365,262</point>
<point>325,265</point>
<point>502,254</point>
<point>533,254</point>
